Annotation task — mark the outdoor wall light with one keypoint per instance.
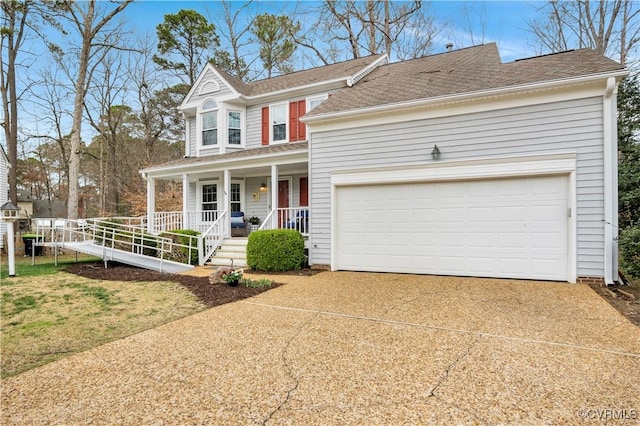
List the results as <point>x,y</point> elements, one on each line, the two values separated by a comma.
<point>435,154</point>
<point>263,187</point>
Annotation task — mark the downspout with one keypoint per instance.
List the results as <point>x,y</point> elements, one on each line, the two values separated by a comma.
<point>610,148</point>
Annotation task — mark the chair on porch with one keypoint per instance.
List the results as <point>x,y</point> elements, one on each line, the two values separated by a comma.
<point>238,224</point>
<point>300,222</point>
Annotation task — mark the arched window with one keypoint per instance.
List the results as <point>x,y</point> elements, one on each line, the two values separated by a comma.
<point>209,118</point>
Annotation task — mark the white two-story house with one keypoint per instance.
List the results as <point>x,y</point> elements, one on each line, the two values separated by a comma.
<point>453,164</point>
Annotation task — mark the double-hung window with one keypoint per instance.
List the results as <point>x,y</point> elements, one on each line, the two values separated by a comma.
<point>235,198</point>
<point>234,130</point>
<point>209,123</point>
<point>279,123</point>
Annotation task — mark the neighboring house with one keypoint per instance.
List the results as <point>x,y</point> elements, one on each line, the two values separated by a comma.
<point>451,164</point>
<point>4,190</point>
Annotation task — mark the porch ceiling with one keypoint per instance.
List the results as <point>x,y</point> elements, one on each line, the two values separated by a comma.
<point>290,157</point>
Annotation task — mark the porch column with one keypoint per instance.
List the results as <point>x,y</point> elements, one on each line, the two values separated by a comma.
<point>274,195</point>
<point>151,202</point>
<point>226,197</point>
<point>185,202</point>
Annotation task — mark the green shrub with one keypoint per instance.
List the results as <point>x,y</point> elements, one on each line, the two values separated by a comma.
<point>261,283</point>
<point>629,244</point>
<point>149,243</point>
<point>187,254</point>
<point>275,250</point>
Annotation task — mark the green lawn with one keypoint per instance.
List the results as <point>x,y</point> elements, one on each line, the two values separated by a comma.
<point>47,314</point>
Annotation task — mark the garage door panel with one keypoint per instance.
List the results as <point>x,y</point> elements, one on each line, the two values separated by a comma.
<point>498,228</point>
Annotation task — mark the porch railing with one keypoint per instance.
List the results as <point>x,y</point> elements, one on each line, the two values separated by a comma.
<point>212,237</point>
<point>288,218</point>
<point>199,220</point>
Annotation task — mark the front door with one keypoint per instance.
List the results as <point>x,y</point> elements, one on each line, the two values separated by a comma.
<point>283,203</point>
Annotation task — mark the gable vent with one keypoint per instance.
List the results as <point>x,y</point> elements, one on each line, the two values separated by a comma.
<point>209,87</point>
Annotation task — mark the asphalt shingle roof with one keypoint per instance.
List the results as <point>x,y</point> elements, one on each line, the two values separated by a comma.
<point>300,78</point>
<point>461,71</point>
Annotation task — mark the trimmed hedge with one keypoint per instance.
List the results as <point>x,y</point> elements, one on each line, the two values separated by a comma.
<point>187,254</point>
<point>275,250</point>
<point>629,244</point>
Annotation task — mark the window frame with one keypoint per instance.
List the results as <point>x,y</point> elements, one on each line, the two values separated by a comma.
<point>201,114</point>
<point>241,143</point>
<point>285,106</point>
<point>320,98</point>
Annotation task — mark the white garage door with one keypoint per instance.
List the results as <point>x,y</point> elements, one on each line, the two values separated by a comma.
<point>509,228</point>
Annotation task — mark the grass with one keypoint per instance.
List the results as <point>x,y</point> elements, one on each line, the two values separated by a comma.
<point>47,314</point>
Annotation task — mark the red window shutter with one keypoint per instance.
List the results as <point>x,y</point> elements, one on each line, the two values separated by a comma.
<point>293,121</point>
<point>304,192</point>
<point>265,125</point>
<point>302,128</point>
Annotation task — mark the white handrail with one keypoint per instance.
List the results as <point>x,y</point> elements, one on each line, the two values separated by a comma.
<point>211,238</point>
<point>288,218</point>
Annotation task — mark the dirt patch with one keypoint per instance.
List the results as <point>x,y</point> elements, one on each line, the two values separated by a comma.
<point>210,295</point>
<point>626,299</point>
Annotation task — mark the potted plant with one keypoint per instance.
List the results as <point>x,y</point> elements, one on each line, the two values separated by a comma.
<point>232,277</point>
<point>254,221</point>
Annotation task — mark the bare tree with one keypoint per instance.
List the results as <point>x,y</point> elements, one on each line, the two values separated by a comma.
<point>236,37</point>
<point>611,27</point>
<point>108,91</point>
<point>402,29</point>
<point>12,33</point>
<point>96,39</point>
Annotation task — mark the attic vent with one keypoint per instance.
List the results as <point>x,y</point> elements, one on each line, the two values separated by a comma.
<point>209,87</point>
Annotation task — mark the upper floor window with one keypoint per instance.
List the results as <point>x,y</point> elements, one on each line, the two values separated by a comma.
<point>279,123</point>
<point>234,130</point>
<point>209,123</point>
<point>314,102</point>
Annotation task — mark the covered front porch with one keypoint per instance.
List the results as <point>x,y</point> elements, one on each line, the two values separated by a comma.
<point>235,193</point>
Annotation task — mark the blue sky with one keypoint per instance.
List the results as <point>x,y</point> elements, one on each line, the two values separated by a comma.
<point>506,21</point>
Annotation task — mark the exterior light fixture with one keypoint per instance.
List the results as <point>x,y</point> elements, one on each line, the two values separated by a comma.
<point>263,187</point>
<point>10,215</point>
<point>435,154</point>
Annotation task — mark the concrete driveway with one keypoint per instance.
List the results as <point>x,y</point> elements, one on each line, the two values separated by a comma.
<point>357,348</point>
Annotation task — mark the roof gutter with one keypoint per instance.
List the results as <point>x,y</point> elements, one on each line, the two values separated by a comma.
<point>502,91</point>
<point>314,86</point>
<point>167,170</point>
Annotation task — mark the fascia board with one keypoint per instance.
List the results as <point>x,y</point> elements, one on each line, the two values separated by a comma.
<point>237,163</point>
<point>502,91</point>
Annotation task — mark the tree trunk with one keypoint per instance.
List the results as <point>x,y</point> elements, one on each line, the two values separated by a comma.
<point>78,107</point>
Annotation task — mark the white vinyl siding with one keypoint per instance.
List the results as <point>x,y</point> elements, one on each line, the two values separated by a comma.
<point>223,90</point>
<point>193,137</point>
<point>575,125</point>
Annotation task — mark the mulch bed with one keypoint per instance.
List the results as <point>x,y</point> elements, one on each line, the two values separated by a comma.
<point>210,295</point>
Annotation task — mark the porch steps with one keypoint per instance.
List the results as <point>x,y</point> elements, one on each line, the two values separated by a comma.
<point>122,256</point>
<point>231,249</point>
